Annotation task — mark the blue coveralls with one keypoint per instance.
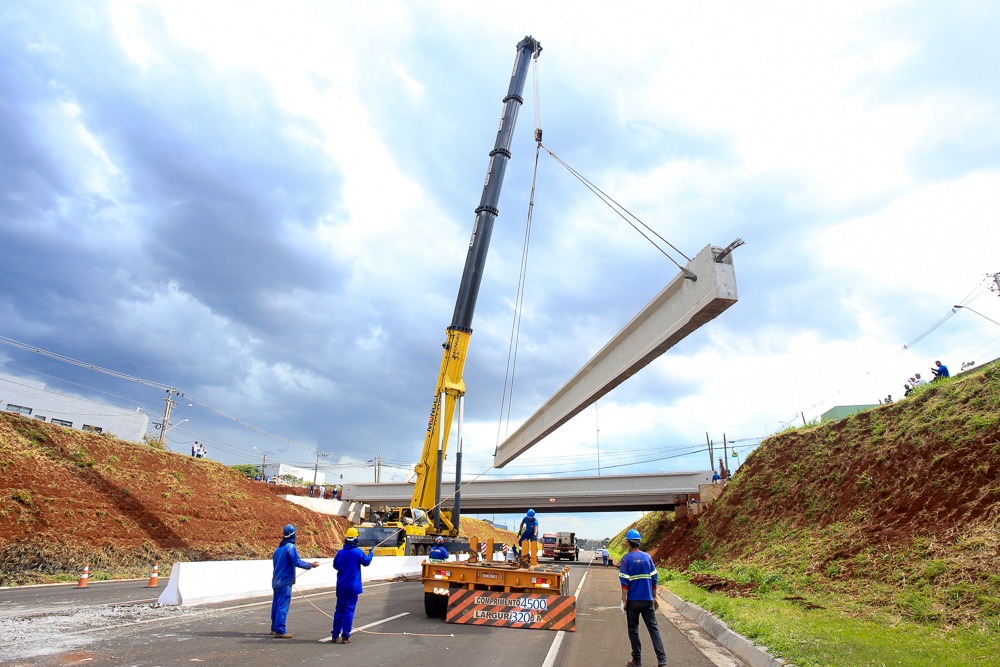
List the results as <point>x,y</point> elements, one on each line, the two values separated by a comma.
<point>347,563</point>
<point>285,560</point>
<point>638,574</point>
<point>438,553</point>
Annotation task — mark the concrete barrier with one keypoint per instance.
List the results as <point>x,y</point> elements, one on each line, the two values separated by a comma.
<point>319,505</point>
<point>218,581</point>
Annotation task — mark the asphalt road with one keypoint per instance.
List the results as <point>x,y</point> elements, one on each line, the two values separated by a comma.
<point>116,623</point>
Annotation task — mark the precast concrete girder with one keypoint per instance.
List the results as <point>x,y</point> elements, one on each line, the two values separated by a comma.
<point>680,308</point>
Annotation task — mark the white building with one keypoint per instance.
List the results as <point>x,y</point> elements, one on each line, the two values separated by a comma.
<point>283,469</point>
<point>31,399</point>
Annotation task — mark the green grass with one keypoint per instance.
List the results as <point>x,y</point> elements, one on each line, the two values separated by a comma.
<point>832,638</point>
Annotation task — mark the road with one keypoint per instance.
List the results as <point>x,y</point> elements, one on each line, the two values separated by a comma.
<point>116,623</point>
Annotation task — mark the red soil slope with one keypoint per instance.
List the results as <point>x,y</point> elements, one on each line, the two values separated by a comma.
<point>68,498</point>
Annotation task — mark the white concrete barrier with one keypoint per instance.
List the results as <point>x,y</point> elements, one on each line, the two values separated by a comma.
<point>218,581</point>
<point>319,505</point>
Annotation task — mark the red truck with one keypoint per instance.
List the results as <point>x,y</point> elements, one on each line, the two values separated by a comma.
<point>549,545</point>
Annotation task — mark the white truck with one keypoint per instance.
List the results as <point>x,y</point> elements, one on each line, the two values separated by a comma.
<point>566,547</point>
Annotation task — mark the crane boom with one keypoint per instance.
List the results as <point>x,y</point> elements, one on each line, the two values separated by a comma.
<point>450,384</point>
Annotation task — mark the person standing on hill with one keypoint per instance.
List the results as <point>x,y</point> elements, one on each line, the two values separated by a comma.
<point>637,575</point>
<point>285,559</point>
<point>348,563</point>
<point>940,371</point>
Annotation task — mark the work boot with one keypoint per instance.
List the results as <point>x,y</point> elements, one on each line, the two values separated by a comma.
<point>633,663</point>
<point>283,635</point>
<point>345,640</point>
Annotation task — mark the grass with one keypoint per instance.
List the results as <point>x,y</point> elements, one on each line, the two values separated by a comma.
<point>830,638</point>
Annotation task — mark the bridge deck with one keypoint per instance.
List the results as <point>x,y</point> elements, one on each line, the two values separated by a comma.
<point>609,493</point>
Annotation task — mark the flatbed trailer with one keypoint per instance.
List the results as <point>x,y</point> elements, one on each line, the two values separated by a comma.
<point>442,578</point>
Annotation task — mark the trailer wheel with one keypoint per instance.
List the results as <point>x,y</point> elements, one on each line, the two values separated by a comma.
<point>435,606</point>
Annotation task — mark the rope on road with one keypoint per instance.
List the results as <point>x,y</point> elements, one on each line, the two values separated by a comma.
<point>368,632</point>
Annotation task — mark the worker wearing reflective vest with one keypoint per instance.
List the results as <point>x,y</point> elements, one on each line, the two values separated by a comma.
<point>638,579</point>
<point>528,533</point>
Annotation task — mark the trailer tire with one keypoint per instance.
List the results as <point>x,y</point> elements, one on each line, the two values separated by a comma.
<point>435,606</point>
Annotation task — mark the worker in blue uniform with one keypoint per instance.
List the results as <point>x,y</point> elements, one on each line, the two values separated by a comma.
<point>438,551</point>
<point>528,533</point>
<point>637,575</point>
<point>348,563</point>
<point>285,559</point>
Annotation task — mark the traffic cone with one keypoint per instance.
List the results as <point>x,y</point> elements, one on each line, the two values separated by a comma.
<point>84,576</point>
<point>154,579</point>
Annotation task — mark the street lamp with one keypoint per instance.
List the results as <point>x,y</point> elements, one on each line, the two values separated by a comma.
<point>977,313</point>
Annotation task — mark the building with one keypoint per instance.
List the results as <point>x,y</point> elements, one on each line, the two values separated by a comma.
<point>31,399</point>
<point>836,413</point>
<point>284,470</point>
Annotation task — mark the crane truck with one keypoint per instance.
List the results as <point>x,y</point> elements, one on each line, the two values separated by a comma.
<point>411,530</point>
<point>478,590</point>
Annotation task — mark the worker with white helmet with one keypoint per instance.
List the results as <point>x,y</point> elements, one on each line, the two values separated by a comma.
<point>285,559</point>
<point>637,575</point>
<point>348,563</point>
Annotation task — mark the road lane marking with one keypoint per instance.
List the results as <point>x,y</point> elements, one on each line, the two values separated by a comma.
<point>200,613</point>
<point>550,657</point>
<point>371,625</point>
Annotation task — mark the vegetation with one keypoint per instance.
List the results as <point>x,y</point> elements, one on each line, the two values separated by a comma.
<point>870,541</point>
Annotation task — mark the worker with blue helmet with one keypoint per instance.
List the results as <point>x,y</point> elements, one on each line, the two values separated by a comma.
<point>285,559</point>
<point>528,532</point>
<point>637,576</point>
<point>438,552</point>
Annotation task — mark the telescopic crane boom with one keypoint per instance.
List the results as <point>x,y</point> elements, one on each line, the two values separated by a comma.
<point>450,383</point>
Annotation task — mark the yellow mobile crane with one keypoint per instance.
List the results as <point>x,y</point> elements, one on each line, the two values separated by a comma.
<point>411,530</point>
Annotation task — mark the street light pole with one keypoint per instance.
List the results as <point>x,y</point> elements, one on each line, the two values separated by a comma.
<point>977,313</point>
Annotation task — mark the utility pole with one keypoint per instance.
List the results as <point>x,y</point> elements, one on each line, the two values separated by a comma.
<point>166,414</point>
<point>711,461</point>
<point>316,467</point>
<point>725,455</point>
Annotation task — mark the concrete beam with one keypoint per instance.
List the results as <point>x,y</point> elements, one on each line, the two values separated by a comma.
<point>680,308</point>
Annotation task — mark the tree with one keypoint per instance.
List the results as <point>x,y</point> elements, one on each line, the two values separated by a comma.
<point>248,469</point>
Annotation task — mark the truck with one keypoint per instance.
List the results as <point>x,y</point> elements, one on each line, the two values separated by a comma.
<point>565,546</point>
<point>412,530</point>
<point>488,578</point>
<point>549,545</point>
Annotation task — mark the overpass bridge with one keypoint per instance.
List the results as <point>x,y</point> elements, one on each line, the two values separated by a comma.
<point>607,493</point>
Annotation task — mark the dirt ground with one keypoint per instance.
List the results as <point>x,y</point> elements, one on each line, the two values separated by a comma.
<point>68,498</point>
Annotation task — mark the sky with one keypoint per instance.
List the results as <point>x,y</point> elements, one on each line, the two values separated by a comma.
<point>268,206</point>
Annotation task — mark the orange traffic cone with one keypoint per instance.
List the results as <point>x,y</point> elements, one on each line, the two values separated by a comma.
<point>84,576</point>
<point>154,579</point>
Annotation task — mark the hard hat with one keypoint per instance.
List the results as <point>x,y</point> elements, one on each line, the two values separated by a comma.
<point>633,535</point>
<point>438,540</point>
<point>531,513</point>
<point>289,530</point>
<point>351,534</point>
